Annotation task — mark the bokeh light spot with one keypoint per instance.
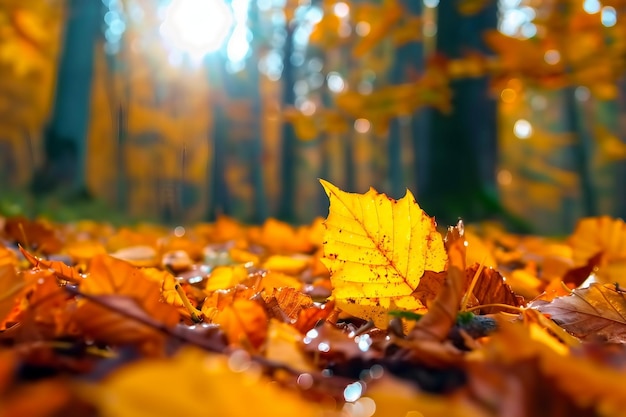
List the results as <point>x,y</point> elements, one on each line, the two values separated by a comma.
<point>197,26</point>
<point>522,129</point>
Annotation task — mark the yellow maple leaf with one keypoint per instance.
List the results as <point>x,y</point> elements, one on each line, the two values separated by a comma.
<point>377,250</point>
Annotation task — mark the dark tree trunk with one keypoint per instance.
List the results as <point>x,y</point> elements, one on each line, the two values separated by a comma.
<point>261,205</point>
<point>409,61</point>
<point>582,151</point>
<point>286,208</point>
<point>219,203</point>
<point>620,127</point>
<point>65,139</point>
<point>463,146</point>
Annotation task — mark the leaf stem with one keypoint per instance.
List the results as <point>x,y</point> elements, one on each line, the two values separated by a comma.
<point>196,316</point>
<point>518,309</point>
<point>470,290</point>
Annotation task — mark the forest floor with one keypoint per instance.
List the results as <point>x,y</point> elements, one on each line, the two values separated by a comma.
<point>372,311</point>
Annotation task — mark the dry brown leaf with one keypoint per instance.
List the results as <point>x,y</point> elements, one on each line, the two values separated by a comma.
<point>289,301</point>
<point>598,311</point>
<point>491,288</point>
<point>442,313</point>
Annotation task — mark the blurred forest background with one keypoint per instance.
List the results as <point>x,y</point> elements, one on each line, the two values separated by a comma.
<point>179,110</point>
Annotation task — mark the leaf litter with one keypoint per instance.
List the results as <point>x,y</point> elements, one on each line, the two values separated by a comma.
<point>370,312</point>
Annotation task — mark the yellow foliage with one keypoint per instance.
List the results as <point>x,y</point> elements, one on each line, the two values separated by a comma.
<point>204,384</point>
<point>286,264</point>
<point>377,250</point>
<point>224,277</point>
<point>606,235</point>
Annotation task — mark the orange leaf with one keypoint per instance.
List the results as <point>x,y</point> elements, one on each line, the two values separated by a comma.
<point>11,284</point>
<point>34,234</point>
<point>109,324</point>
<point>111,276</point>
<point>61,270</point>
<point>244,322</point>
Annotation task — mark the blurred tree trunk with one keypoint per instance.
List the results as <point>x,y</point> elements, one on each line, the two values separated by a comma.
<point>583,144</point>
<point>65,139</point>
<point>286,205</point>
<point>219,202</point>
<point>257,171</point>
<point>460,177</point>
<point>620,127</point>
<point>409,62</point>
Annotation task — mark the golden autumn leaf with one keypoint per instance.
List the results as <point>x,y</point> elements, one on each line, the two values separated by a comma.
<point>204,385</point>
<point>224,277</point>
<point>393,397</point>
<point>286,264</point>
<point>603,235</point>
<point>377,250</point>
<point>283,345</point>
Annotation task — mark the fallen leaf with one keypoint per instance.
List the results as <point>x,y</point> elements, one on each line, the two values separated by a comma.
<point>204,384</point>
<point>523,371</point>
<point>11,285</point>
<point>61,270</point>
<point>34,234</point>
<point>598,311</point>
<point>283,346</point>
<point>111,276</point>
<point>491,288</point>
<point>286,264</point>
<point>117,324</point>
<point>394,397</point>
<point>441,315</point>
<point>224,277</point>
<point>605,235</point>
<point>289,301</point>
<point>282,238</point>
<point>377,250</point>
<point>244,322</point>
